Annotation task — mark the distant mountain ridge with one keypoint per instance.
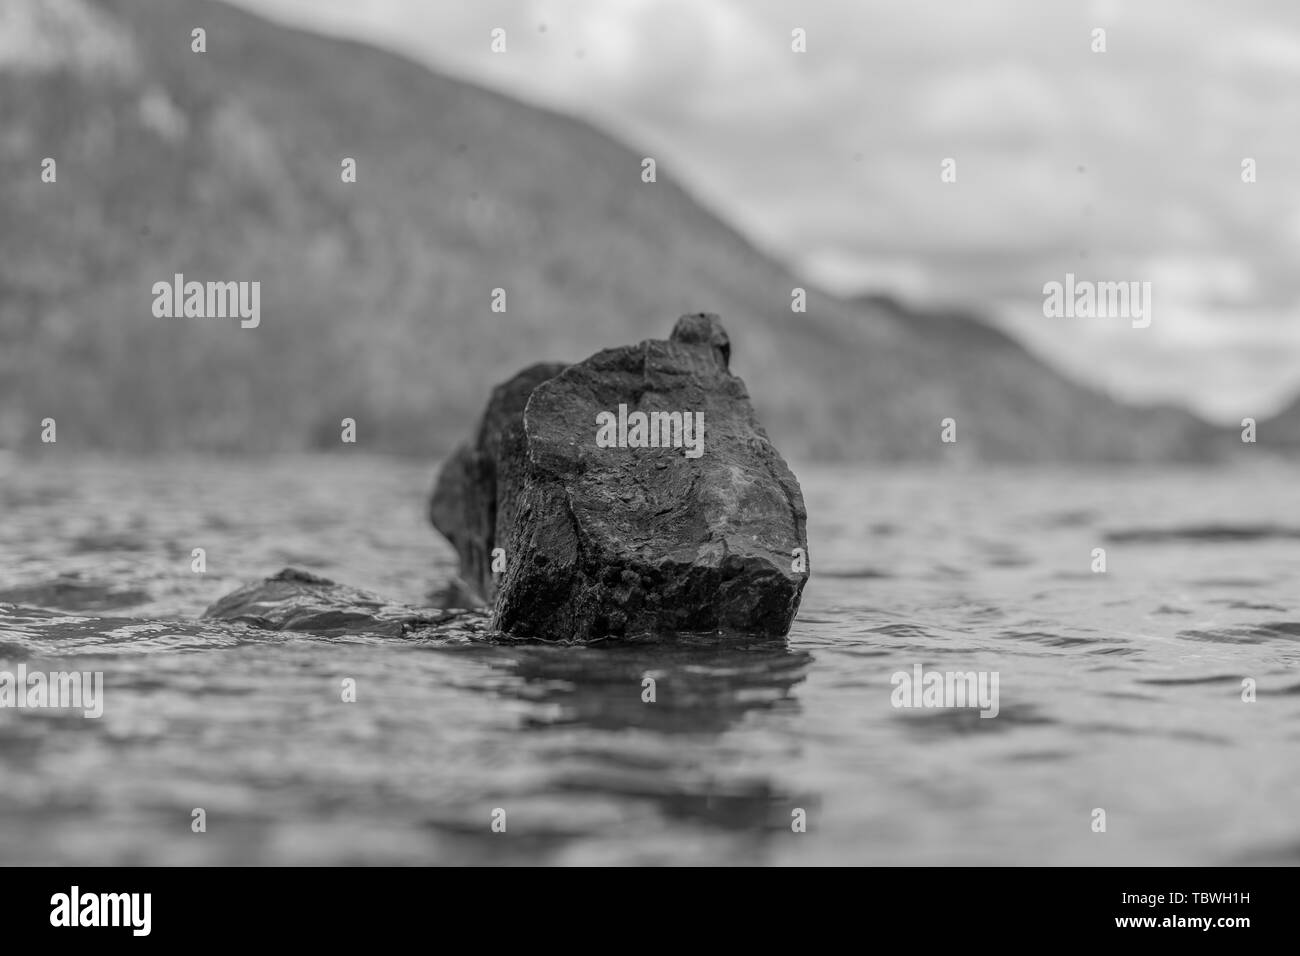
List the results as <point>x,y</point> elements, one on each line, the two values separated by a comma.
<point>376,296</point>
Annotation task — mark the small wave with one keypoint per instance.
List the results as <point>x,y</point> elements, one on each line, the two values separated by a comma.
<point>1050,640</point>
<point>1039,756</point>
<point>1235,605</point>
<point>1127,695</point>
<point>853,573</point>
<point>1253,634</point>
<point>1126,730</point>
<point>109,541</point>
<point>902,630</point>
<point>1227,635</point>
<point>70,592</point>
<point>1068,519</point>
<point>1183,681</point>
<point>1208,532</point>
<point>942,722</point>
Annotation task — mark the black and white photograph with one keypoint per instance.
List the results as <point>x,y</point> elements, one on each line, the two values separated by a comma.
<point>650,433</point>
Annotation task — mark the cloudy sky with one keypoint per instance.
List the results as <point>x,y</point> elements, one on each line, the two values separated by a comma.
<point>1123,165</point>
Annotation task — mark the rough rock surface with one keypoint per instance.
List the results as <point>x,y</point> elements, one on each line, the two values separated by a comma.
<point>468,505</point>
<point>626,541</point>
<point>294,600</point>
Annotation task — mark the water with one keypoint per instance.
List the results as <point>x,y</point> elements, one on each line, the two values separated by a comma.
<point>1120,691</point>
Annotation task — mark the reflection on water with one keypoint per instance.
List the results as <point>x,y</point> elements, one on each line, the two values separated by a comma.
<point>1120,690</point>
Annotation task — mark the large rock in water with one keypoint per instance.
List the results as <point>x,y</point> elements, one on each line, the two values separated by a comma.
<point>614,526</point>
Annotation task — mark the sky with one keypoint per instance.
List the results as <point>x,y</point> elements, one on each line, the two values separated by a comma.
<point>1117,165</point>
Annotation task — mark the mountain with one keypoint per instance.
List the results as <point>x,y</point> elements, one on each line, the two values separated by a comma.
<point>1021,409</point>
<point>1282,431</point>
<point>376,295</point>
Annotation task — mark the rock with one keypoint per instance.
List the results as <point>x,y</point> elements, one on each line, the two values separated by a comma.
<point>619,539</point>
<point>294,600</point>
<point>466,505</point>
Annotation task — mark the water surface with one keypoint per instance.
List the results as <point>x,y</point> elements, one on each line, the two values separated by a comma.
<point>1120,691</point>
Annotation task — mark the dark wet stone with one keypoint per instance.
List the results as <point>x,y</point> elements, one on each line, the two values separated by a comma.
<point>295,600</point>
<point>470,504</point>
<point>630,541</point>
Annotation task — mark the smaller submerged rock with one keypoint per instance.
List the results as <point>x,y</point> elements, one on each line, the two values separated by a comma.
<point>295,600</point>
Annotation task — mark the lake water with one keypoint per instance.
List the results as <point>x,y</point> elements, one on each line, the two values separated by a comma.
<point>1119,691</point>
